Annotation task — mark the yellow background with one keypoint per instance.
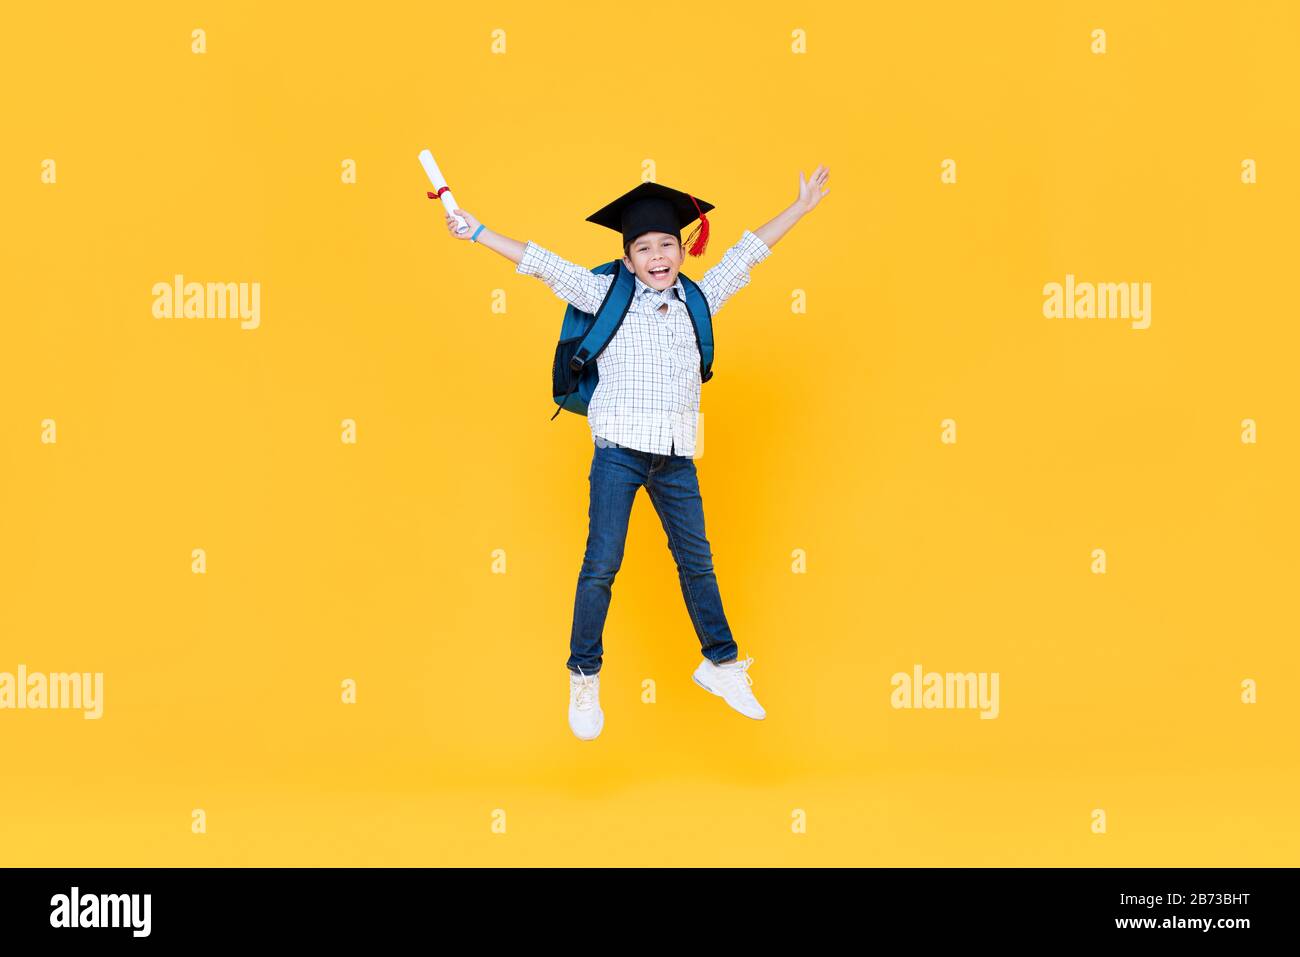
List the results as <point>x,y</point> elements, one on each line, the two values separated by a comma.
<point>328,561</point>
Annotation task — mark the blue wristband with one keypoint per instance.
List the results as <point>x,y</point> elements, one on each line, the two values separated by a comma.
<point>474,238</point>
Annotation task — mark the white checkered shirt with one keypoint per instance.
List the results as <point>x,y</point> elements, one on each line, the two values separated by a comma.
<point>648,393</point>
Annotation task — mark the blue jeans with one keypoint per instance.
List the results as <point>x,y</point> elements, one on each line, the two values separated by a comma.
<point>670,481</point>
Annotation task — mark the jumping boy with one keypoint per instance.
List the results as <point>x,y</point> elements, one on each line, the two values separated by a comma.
<point>643,416</point>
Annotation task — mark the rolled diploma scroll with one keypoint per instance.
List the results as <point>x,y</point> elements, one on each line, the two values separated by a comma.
<point>436,178</point>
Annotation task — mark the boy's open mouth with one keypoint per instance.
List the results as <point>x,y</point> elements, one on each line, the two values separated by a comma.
<point>660,273</point>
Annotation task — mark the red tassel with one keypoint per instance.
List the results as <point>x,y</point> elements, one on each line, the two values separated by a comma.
<point>696,247</point>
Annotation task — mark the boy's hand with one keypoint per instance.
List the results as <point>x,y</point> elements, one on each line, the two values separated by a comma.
<point>470,221</point>
<point>810,191</point>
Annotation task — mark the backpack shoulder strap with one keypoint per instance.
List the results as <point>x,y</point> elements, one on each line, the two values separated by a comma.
<point>608,318</point>
<point>697,304</point>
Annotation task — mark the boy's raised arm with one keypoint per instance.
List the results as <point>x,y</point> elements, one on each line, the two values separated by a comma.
<point>731,274</point>
<point>512,249</point>
<point>810,194</point>
<point>579,287</point>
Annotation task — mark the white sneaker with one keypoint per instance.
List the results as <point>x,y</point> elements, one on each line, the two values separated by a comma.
<point>731,682</point>
<point>585,717</point>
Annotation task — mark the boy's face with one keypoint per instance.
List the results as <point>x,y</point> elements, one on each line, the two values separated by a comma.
<point>655,258</point>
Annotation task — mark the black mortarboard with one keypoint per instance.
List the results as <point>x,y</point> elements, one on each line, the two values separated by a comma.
<point>654,208</point>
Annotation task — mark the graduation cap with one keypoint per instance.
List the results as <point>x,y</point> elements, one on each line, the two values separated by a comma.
<point>654,208</point>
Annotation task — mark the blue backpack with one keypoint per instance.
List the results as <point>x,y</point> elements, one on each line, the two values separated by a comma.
<point>583,337</point>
